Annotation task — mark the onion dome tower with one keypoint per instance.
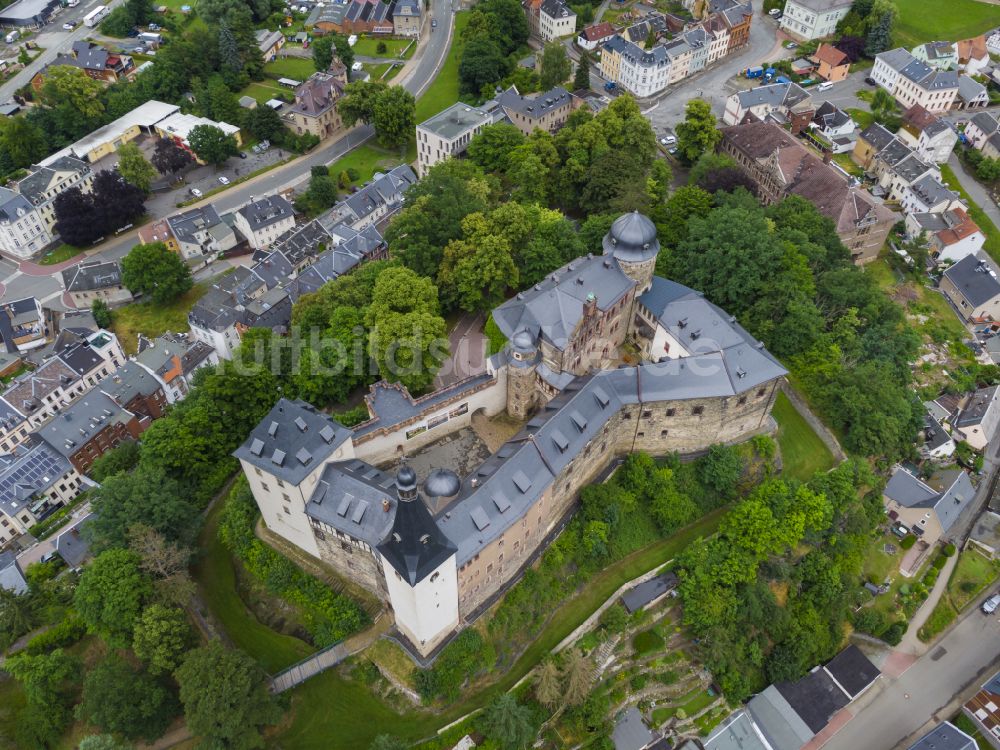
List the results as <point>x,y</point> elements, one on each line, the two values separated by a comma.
<point>521,378</point>
<point>633,242</point>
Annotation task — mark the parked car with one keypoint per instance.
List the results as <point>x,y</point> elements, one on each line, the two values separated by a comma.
<point>69,25</point>
<point>870,81</point>
<point>242,154</point>
<point>154,27</point>
<point>196,192</point>
<point>672,150</point>
<point>434,23</point>
<point>792,45</point>
<point>224,180</point>
<point>774,11</point>
<point>991,604</point>
<point>667,140</point>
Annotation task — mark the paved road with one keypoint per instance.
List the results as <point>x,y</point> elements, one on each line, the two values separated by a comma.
<point>425,67</point>
<point>975,190</point>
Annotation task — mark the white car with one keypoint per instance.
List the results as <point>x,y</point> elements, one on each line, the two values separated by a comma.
<point>667,140</point>
<point>224,180</point>
<point>196,192</point>
<point>357,66</point>
<point>69,25</point>
<point>774,12</point>
<point>991,604</point>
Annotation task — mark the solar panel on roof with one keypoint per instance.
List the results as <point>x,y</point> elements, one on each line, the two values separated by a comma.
<point>327,433</point>
<point>500,500</point>
<point>359,511</point>
<point>522,481</point>
<point>257,446</point>
<point>278,457</point>
<point>345,503</point>
<point>479,518</point>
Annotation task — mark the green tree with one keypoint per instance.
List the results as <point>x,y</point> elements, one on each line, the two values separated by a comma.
<point>476,272</point>
<point>265,124</point>
<point>721,469</point>
<point>578,673</point>
<point>492,147</point>
<point>152,270</point>
<point>169,158</point>
<point>409,348</point>
<point>22,140</point>
<point>120,459</point>
<point>116,698</point>
<point>225,697</point>
<point>322,52</point>
<point>162,637</point>
<point>698,133</point>
<point>101,312</point>
<point>581,80</point>
<point>394,117</point>
<point>508,723</point>
<point>482,64</point>
<point>66,86</point>
<point>556,66</point>
<point>18,615</point>
<point>45,678</point>
<point>359,100</point>
<point>111,594</point>
<point>211,144</point>
<point>132,165</point>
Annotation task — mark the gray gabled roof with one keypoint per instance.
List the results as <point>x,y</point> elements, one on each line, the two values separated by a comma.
<point>351,497</point>
<point>781,726</point>
<point>945,736</point>
<point>90,275</point>
<point>127,382</point>
<point>977,406</point>
<point>877,136</point>
<point>11,576</point>
<point>773,95</point>
<point>69,430</point>
<point>932,191</point>
<point>536,105</point>
<point>263,212</point>
<point>738,732</point>
<point>947,493</point>
<point>986,122</point>
<point>975,278</point>
<point>969,88</point>
<point>292,440</point>
<point>897,59</point>
<point>631,732</point>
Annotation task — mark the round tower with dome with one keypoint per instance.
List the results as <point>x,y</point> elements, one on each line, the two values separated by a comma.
<point>522,388</point>
<point>633,242</point>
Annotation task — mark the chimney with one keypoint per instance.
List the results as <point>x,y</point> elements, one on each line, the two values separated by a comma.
<point>385,505</point>
<point>590,306</point>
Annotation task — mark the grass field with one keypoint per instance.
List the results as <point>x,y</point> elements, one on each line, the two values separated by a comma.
<point>943,615</point>
<point>862,117</point>
<point>330,713</point>
<point>59,254</point>
<point>992,246</point>
<point>299,68</point>
<point>263,90</point>
<point>367,160</point>
<point>972,574</point>
<point>926,20</point>
<point>802,452</point>
<point>394,48</point>
<point>376,71</point>
<point>443,92</point>
<point>964,723</point>
<point>216,580</point>
<point>152,320</point>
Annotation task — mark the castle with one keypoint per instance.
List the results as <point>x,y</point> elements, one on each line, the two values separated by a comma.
<point>437,552</point>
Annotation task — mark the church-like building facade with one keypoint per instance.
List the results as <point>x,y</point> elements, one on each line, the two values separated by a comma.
<point>603,359</point>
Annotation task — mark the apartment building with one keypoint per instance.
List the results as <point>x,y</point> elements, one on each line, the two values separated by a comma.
<point>813,19</point>
<point>448,134</point>
<point>914,82</point>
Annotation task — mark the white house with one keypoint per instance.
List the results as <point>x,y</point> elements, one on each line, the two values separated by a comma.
<point>951,235</point>
<point>939,55</point>
<point>783,98</point>
<point>263,220</point>
<point>555,20</point>
<point>973,55</point>
<point>912,81</point>
<point>983,133</point>
<point>931,138</point>
<point>813,19</point>
<point>929,195</point>
<point>448,134</point>
<point>639,71</point>
<point>593,36</point>
<point>23,232</point>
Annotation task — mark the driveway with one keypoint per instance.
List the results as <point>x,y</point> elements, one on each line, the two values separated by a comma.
<point>468,351</point>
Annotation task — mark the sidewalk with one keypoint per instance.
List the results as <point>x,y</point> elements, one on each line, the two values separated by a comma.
<point>911,644</point>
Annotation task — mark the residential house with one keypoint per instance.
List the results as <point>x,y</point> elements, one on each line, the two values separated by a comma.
<point>912,81</point>
<point>95,279</point>
<point>159,231</point>
<point>737,732</point>
<point>93,60</point>
<point>263,220</point>
<point>546,111</point>
<point>631,733</point>
<point>718,37</point>
<point>406,18</point>
<point>939,55</point>
<point>170,362</point>
<point>373,203</point>
<point>269,43</point>
<point>448,134</point>
<point>834,128</point>
<point>984,707</point>
<point>89,428</point>
<point>200,233</point>
<point>22,324</point>
<point>315,107</point>
<point>951,235</point>
<point>14,426</point>
<point>555,20</point>
<point>137,390</point>
<point>368,17</point>
<point>870,143</point>
<point>44,184</point>
<point>973,57</point>
<point>737,16</point>
<point>897,167</point>
<point>71,545</point>
<point>790,714</point>
<point>11,576</point>
<point>977,420</point>
<point>927,134</point>
<point>328,254</point>
<point>971,94</point>
<point>993,42</point>
<point>784,102</point>
<point>23,232</point>
<point>813,19</point>
<point>983,133</point>
<point>780,165</point>
<point>937,443</point>
<point>639,71</point>
<point>680,57</point>
<point>984,538</point>
<point>35,480</point>
<point>594,36</point>
<point>929,195</point>
<point>972,286</point>
<point>831,63</point>
<point>178,127</point>
<point>945,736</point>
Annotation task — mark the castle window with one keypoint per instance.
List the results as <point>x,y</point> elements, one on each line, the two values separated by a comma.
<point>698,411</point>
<point>760,393</point>
<point>347,548</point>
<point>663,433</point>
<point>265,487</point>
<point>626,415</point>
<point>743,400</point>
<point>287,511</point>
<point>258,471</point>
<point>641,434</point>
<point>280,483</point>
<point>671,412</point>
<point>320,534</point>
<point>647,414</point>
<point>435,576</point>
<point>286,498</point>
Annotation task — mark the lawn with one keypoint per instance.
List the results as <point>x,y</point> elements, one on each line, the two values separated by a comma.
<point>972,574</point>
<point>845,163</point>
<point>862,117</point>
<point>443,92</point>
<point>943,615</point>
<point>647,641</point>
<point>802,452</point>
<point>334,714</point>
<point>923,20</point>
<point>992,246</point>
<point>367,160</point>
<point>394,48</point>
<point>264,91</point>
<point>376,71</point>
<point>878,565</point>
<point>59,254</point>
<point>152,320</point>
<point>216,580</point>
<point>964,723</point>
<point>299,68</point>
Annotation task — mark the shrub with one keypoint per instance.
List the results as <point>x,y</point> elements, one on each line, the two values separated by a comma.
<point>647,641</point>
<point>949,550</point>
<point>381,48</point>
<point>908,541</point>
<point>894,633</point>
<point>459,661</point>
<point>67,632</point>
<point>939,562</point>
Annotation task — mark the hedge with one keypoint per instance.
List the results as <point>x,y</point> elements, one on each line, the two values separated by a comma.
<point>328,616</point>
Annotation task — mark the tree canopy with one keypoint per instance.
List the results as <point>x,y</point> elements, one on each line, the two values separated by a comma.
<point>154,271</point>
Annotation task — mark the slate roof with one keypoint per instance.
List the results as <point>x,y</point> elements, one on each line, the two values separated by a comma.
<point>11,576</point>
<point>536,105</point>
<point>877,136</point>
<point>12,205</point>
<point>975,277</point>
<point>9,416</point>
<point>932,191</point>
<point>919,119</point>
<point>631,732</point>
<point>773,95</point>
<point>27,392</point>
<point>945,736</point>
<point>556,9</point>
<point>642,594</point>
<point>127,382</point>
<point>187,225</point>
<point>969,89</point>
<point>33,467</point>
<point>33,186</point>
<point>831,116</point>
<point>637,55</point>
<point>73,546</point>
<point>91,275</point>
<point>852,671</point>
<point>821,6</point>
<point>815,698</point>
<point>81,358</point>
<point>263,212</point>
<point>778,721</point>
<point>935,436</point>
<point>292,440</point>
<point>985,122</point>
<point>385,189</point>
<point>349,497</point>
<point>975,409</point>
<point>947,493</point>
<point>317,95</point>
<point>738,732</point>
<point>78,423</point>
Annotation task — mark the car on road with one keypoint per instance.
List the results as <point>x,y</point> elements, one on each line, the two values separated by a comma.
<point>434,23</point>
<point>242,154</point>
<point>871,81</point>
<point>196,192</point>
<point>668,140</point>
<point>791,45</point>
<point>991,604</point>
<point>69,25</point>
<point>774,12</point>
<point>224,180</point>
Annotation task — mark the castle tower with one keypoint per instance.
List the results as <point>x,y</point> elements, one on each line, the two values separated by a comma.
<point>522,391</point>
<point>633,242</point>
<point>420,571</point>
